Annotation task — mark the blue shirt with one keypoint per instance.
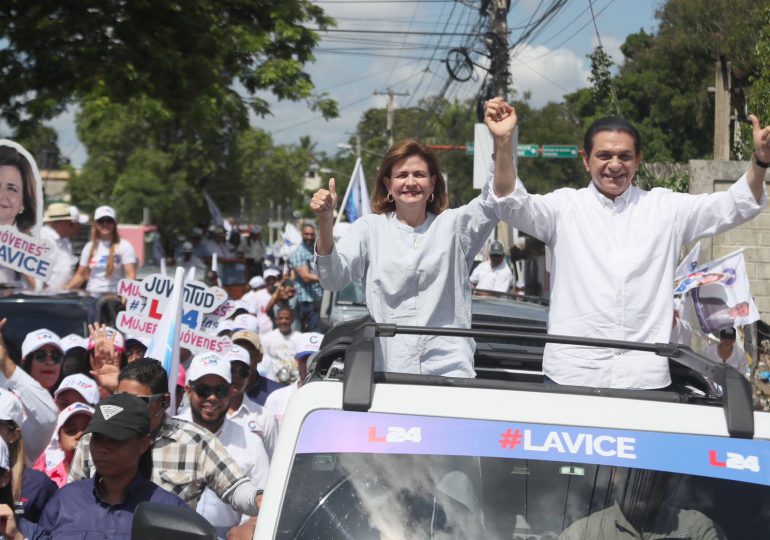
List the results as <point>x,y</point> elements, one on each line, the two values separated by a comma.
<point>262,389</point>
<point>77,512</point>
<point>306,291</point>
<point>36,490</point>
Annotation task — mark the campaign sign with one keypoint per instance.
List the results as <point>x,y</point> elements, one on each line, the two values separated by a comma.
<point>150,296</point>
<point>743,460</point>
<point>211,321</point>
<point>21,214</point>
<point>25,254</point>
<point>136,324</point>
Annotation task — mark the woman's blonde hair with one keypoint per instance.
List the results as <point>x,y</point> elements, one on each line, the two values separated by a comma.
<point>399,151</point>
<point>114,241</point>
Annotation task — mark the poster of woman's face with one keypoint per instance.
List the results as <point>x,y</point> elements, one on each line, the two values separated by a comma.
<point>21,189</point>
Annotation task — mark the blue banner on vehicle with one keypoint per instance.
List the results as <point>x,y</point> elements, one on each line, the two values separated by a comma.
<point>373,433</point>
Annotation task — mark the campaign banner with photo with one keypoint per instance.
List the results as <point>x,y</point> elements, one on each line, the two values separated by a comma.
<point>721,293</point>
<point>21,215</point>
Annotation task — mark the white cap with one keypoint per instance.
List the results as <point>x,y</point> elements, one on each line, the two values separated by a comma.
<point>240,304</point>
<point>105,211</point>
<point>208,364</point>
<point>244,321</point>
<point>309,343</point>
<point>85,386</point>
<point>76,216</point>
<point>39,338</point>
<point>141,339</point>
<point>225,325</point>
<point>10,407</point>
<point>257,282</point>
<point>236,353</point>
<point>519,284</point>
<point>4,463</point>
<point>71,410</point>
<point>271,272</point>
<point>70,341</point>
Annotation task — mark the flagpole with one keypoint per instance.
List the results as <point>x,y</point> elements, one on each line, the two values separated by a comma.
<point>347,192</point>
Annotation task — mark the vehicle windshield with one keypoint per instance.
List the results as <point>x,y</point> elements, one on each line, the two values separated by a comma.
<point>417,477</point>
<point>353,293</point>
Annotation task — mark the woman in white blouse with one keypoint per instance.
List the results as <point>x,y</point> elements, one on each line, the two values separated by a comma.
<point>413,254</point>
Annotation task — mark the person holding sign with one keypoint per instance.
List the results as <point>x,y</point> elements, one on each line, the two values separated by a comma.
<point>106,259</point>
<point>413,254</point>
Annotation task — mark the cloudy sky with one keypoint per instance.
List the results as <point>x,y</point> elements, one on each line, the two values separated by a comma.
<point>402,44</point>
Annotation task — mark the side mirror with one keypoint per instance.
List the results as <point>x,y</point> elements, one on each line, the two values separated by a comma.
<point>155,521</point>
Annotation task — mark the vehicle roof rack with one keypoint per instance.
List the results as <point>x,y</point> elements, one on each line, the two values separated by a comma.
<point>358,381</point>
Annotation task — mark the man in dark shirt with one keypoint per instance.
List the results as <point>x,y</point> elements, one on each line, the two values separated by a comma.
<point>105,504</point>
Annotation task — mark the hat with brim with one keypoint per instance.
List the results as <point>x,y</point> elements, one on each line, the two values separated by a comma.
<point>57,212</point>
<point>252,338</point>
<point>120,417</point>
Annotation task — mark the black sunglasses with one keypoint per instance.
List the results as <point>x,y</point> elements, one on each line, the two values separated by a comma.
<point>153,398</point>
<point>41,355</point>
<point>242,370</point>
<point>105,220</point>
<point>221,391</point>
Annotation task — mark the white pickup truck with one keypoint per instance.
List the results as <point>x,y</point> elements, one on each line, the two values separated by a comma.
<point>365,455</point>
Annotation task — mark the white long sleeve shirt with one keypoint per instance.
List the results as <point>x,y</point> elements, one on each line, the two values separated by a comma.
<point>613,269</point>
<point>40,412</point>
<point>416,276</point>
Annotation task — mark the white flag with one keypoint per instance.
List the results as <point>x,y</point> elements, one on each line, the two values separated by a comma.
<point>355,203</point>
<point>721,293</point>
<point>688,264</point>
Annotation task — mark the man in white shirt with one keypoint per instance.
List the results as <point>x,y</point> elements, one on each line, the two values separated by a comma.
<point>279,400</point>
<point>493,275</point>
<point>614,250</point>
<point>208,389</point>
<point>279,346</point>
<point>727,351</point>
<point>244,411</point>
<point>60,225</point>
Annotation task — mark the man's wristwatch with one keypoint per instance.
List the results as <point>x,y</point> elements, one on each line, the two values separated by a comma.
<point>760,163</point>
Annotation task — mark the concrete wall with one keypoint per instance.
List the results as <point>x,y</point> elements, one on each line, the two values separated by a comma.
<point>712,176</point>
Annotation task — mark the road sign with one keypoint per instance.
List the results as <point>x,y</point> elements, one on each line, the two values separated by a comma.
<point>528,150</point>
<point>469,149</point>
<point>559,151</point>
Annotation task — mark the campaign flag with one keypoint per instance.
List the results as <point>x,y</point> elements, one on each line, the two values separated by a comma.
<point>164,346</point>
<point>356,198</point>
<point>687,265</point>
<point>216,215</point>
<point>721,293</point>
<point>292,238</point>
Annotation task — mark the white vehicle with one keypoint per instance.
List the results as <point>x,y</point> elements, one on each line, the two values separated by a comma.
<point>395,456</point>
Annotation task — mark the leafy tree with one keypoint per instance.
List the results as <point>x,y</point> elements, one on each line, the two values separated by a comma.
<point>187,56</point>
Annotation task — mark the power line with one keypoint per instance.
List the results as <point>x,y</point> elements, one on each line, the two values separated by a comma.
<point>401,33</point>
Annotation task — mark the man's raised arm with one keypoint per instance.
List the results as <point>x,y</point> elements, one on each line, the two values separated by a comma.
<point>500,119</point>
<point>760,159</point>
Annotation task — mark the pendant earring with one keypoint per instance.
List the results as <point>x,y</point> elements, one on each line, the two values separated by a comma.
<point>389,198</point>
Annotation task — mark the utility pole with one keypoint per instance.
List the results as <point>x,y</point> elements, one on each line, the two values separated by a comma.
<point>497,43</point>
<point>722,89</point>
<point>391,110</point>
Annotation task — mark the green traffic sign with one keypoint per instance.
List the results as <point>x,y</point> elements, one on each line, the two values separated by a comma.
<point>528,150</point>
<point>559,151</point>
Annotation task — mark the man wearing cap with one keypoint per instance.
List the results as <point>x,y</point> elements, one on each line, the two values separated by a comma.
<point>727,351</point>
<point>258,387</point>
<point>309,289</point>
<point>103,506</point>
<point>244,411</point>
<point>208,389</point>
<point>494,275</point>
<point>186,459</point>
<point>257,299</point>
<point>40,411</point>
<point>277,402</point>
<point>187,259</point>
<point>59,226</point>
